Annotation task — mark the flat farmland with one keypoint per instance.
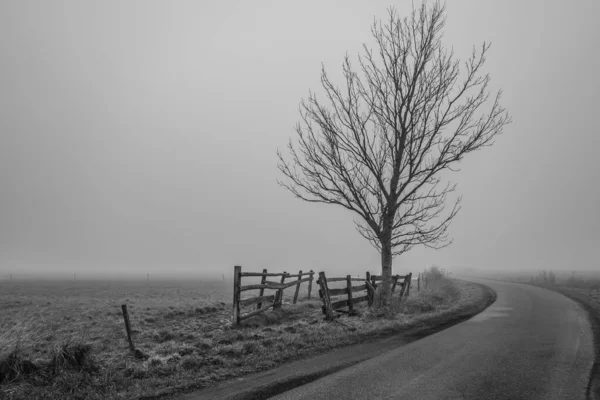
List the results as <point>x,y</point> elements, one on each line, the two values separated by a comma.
<point>183,329</point>
<point>67,340</point>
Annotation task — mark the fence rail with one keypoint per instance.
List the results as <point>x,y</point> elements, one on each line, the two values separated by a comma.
<point>325,293</point>
<point>370,284</point>
<point>272,301</point>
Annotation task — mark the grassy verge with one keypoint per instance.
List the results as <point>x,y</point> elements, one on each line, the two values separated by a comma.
<point>86,357</point>
<point>589,299</point>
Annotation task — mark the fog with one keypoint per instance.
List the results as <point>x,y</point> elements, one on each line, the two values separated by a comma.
<point>141,136</point>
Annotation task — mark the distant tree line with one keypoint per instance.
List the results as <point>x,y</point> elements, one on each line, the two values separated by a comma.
<point>544,277</point>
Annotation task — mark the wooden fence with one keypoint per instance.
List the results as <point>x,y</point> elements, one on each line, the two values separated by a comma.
<point>325,293</point>
<point>273,301</point>
<point>370,284</point>
<point>405,282</point>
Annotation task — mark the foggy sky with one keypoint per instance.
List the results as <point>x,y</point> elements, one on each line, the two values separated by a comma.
<point>142,136</point>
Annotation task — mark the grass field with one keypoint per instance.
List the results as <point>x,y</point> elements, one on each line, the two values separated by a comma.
<point>75,331</point>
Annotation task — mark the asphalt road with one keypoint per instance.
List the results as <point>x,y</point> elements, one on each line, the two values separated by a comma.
<point>530,344</point>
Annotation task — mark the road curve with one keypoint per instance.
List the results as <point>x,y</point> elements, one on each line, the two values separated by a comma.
<point>530,344</point>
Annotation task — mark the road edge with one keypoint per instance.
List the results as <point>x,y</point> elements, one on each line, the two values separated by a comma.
<point>281,385</point>
<point>593,386</point>
<point>428,328</point>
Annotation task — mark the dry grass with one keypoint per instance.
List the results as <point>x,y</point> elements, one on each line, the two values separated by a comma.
<point>587,293</point>
<point>67,340</point>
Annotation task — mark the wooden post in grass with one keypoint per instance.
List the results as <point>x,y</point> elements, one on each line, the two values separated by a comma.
<point>277,299</point>
<point>396,277</point>
<point>237,278</point>
<point>262,290</point>
<point>279,295</point>
<point>370,288</point>
<point>370,293</point>
<point>312,273</point>
<point>419,283</point>
<point>127,326</point>
<point>404,286</point>
<point>298,286</point>
<point>325,296</point>
<point>349,288</point>
<point>409,284</point>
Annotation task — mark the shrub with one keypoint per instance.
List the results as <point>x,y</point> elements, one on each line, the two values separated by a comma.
<point>72,355</point>
<point>14,366</point>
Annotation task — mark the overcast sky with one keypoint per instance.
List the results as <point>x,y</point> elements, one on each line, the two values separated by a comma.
<point>142,136</point>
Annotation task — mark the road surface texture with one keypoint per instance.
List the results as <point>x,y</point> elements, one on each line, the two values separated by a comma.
<point>532,343</point>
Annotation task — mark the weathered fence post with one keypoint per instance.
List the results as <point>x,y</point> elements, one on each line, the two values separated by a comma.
<point>403,288</point>
<point>262,290</point>
<point>324,292</point>
<point>127,327</point>
<point>312,273</point>
<point>396,277</point>
<point>370,288</point>
<point>237,278</point>
<point>349,287</point>
<point>419,283</point>
<point>298,286</point>
<point>409,284</point>
<point>277,299</point>
<point>370,293</point>
<point>279,295</point>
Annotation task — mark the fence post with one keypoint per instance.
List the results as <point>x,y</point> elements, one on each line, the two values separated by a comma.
<point>310,282</point>
<point>409,284</point>
<point>370,293</point>
<point>349,287</point>
<point>419,283</point>
<point>370,288</point>
<point>277,300</point>
<point>396,277</point>
<point>404,283</point>
<point>325,296</point>
<point>237,278</point>
<point>127,327</point>
<point>298,286</point>
<point>279,295</point>
<point>262,290</point>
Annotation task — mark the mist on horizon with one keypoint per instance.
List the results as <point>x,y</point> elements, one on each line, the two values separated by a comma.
<point>140,137</point>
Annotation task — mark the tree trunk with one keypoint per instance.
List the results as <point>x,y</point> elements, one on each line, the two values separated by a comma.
<point>385,291</point>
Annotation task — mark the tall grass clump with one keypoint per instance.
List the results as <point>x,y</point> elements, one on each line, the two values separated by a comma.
<point>72,355</point>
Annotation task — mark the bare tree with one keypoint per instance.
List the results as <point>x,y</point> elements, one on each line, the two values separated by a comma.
<point>379,145</point>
